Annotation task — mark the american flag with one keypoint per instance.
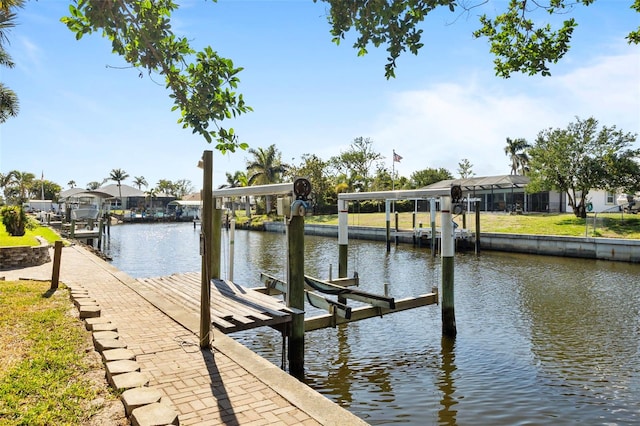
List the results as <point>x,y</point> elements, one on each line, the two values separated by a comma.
<point>396,157</point>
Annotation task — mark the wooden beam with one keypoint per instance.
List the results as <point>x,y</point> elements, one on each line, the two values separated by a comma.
<point>357,314</point>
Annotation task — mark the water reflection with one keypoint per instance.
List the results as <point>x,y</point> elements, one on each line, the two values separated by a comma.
<point>447,414</point>
<point>541,340</point>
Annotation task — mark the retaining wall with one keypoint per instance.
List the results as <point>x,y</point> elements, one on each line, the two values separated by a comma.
<point>23,256</point>
<point>621,250</point>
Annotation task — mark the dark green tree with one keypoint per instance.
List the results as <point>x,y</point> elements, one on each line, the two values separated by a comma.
<point>422,178</point>
<point>355,163</point>
<point>50,189</point>
<point>583,157</point>
<point>323,195</point>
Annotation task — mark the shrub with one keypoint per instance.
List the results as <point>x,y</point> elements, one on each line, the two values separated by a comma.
<point>14,220</point>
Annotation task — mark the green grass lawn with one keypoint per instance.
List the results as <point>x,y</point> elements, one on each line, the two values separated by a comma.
<point>566,224</point>
<point>29,238</point>
<point>47,376</point>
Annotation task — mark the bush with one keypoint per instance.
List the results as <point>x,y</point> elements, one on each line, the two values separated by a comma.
<point>14,220</point>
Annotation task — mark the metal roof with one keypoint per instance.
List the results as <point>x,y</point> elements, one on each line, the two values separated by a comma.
<point>483,182</point>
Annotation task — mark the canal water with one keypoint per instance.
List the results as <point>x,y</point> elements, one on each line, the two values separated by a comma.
<point>541,340</point>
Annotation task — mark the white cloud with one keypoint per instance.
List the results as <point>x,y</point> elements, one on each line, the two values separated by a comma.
<point>444,123</point>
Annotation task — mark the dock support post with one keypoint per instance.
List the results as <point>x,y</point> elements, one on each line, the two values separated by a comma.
<point>100,232</point>
<point>232,242</point>
<point>55,273</point>
<point>216,249</point>
<point>434,235</point>
<point>206,249</point>
<point>295,295</point>
<point>72,230</point>
<point>343,237</point>
<point>477,242</point>
<point>388,221</point>
<point>447,257</point>
<point>396,223</point>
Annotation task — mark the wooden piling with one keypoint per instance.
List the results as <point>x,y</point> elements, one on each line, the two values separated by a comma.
<point>434,235</point>
<point>295,295</point>
<point>55,273</point>
<point>100,232</point>
<point>216,248</point>
<point>396,226</point>
<point>343,238</point>
<point>447,252</point>
<point>206,249</point>
<point>232,242</point>
<point>477,242</point>
<point>388,222</point>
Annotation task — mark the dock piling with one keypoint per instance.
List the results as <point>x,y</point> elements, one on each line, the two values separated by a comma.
<point>295,295</point>
<point>447,252</point>
<point>206,250</point>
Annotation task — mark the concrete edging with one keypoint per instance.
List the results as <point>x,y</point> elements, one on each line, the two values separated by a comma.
<point>620,250</point>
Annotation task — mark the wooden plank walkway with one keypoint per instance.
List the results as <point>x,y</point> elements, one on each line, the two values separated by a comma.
<point>233,307</point>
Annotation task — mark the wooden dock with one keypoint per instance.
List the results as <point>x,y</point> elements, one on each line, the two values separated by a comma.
<point>233,307</point>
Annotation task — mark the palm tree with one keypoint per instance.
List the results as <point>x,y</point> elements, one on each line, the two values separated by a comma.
<point>236,180</point>
<point>17,185</point>
<point>266,168</point>
<point>72,184</point>
<point>151,194</point>
<point>516,149</point>
<point>9,106</point>
<point>139,181</point>
<point>118,175</point>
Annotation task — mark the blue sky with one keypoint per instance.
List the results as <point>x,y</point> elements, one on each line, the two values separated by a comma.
<point>82,114</point>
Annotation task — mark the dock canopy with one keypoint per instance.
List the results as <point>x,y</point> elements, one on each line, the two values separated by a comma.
<point>184,209</point>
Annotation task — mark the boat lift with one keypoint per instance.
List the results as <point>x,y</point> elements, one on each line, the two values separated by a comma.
<point>294,205</point>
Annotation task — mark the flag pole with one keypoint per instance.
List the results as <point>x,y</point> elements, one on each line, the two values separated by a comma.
<point>393,178</point>
<point>393,171</point>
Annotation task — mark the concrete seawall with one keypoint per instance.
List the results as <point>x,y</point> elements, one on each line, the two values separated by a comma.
<point>620,250</point>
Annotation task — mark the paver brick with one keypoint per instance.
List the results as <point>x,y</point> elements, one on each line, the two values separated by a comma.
<point>129,380</point>
<point>155,414</point>
<point>117,354</point>
<point>137,397</point>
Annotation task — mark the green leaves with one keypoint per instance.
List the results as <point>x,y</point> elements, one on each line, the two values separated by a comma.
<point>520,45</point>
<point>201,84</point>
<point>392,23</point>
<point>519,42</point>
<point>581,158</point>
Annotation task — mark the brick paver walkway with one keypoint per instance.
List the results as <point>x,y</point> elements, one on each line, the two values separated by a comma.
<point>228,385</point>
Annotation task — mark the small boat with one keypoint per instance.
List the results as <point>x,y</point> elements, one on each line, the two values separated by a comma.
<point>86,209</point>
<point>86,205</point>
